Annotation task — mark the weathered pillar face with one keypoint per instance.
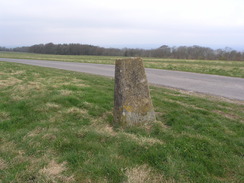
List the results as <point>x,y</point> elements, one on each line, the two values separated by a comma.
<point>132,102</point>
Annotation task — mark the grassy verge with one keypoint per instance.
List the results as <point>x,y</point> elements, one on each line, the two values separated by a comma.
<point>56,126</point>
<point>225,68</point>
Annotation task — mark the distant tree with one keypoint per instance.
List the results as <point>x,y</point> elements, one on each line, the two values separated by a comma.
<point>4,49</point>
<point>164,51</point>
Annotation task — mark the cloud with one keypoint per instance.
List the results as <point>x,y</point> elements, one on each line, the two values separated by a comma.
<point>122,22</point>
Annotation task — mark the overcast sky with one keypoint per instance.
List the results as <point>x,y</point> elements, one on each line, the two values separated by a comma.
<point>123,23</point>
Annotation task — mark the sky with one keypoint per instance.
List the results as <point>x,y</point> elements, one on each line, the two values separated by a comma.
<point>123,23</point>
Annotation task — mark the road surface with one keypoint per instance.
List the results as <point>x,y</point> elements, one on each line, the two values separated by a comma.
<point>228,87</point>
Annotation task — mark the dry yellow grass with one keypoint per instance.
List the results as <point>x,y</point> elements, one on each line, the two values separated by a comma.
<point>53,169</point>
<point>228,115</point>
<point>8,147</point>
<point>75,110</point>
<point>3,164</point>
<point>4,116</point>
<point>52,105</point>
<point>184,104</point>
<point>65,92</point>
<point>11,81</point>
<point>35,132</point>
<point>53,172</point>
<point>143,140</point>
<point>145,174</point>
<point>49,137</point>
<point>17,72</point>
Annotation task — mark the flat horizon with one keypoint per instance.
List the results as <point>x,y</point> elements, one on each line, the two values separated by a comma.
<point>136,46</point>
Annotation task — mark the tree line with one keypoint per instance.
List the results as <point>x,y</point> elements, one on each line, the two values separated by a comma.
<point>181,52</point>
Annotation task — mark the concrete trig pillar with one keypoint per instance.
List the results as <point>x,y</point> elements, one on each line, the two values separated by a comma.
<point>132,101</point>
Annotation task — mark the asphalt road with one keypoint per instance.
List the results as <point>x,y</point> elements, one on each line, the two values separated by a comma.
<point>228,87</point>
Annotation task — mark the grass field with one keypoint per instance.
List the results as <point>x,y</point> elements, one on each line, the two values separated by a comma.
<point>57,126</point>
<point>225,68</point>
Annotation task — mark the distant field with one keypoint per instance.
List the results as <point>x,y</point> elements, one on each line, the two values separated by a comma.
<point>224,68</point>
<point>57,126</point>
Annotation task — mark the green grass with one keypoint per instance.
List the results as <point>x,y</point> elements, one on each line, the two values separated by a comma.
<point>57,126</point>
<point>224,68</point>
